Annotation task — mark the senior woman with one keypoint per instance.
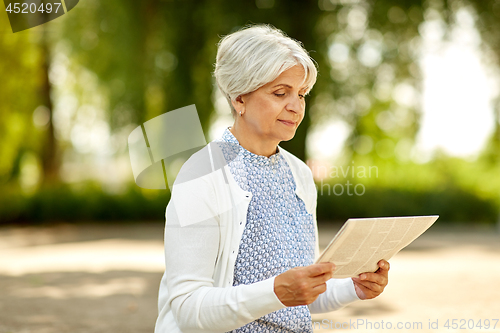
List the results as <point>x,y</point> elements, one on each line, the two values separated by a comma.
<point>241,238</point>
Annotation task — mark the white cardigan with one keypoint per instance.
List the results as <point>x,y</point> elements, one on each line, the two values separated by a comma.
<point>205,219</point>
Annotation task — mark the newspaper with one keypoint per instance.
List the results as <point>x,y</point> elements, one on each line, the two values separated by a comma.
<point>361,243</point>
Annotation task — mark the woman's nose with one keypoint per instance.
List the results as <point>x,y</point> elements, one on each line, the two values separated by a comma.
<point>295,105</point>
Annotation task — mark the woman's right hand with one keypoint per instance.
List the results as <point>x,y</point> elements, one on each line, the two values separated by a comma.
<point>302,285</point>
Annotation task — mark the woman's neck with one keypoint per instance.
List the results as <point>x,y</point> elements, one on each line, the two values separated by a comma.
<point>252,142</point>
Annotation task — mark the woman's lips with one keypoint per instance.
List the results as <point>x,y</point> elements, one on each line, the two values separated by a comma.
<point>287,122</point>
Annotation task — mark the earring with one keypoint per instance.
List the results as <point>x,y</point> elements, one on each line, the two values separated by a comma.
<point>240,114</point>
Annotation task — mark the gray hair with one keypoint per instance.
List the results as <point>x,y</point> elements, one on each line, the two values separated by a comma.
<point>256,55</point>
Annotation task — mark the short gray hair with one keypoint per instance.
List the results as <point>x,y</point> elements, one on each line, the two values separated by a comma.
<point>256,55</point>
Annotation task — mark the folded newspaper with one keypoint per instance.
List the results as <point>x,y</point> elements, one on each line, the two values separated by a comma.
<point>361,243</point>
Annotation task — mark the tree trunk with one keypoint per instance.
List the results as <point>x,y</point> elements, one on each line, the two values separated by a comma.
<point>49,154</point>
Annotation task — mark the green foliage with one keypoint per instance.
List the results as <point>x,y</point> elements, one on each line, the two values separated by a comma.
<point>20,80</point>
<point>151,57</point>
<point>372,56</point>
<point>91,203</point>
<point>85,202</point>
<point>451,204</point>
<point>455,189</point>
<point>133,60</point>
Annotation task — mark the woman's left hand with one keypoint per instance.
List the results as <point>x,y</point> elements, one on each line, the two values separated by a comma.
<point>370,285</point>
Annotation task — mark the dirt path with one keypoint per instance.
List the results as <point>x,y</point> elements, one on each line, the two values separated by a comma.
<point>91,278</point>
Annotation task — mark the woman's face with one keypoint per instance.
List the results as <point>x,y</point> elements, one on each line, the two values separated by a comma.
<point>274,111</point>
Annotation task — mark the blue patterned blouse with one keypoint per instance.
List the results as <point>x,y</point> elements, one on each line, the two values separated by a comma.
<point>279,233</point>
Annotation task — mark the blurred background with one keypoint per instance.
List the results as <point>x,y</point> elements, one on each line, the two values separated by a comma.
<point>403,120</point>
<point>407,90</point>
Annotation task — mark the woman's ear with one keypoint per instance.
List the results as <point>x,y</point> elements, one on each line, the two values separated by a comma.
<point>238,104</point>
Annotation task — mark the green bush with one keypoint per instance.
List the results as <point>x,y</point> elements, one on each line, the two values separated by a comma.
<point>89,202</point>
<point>84,202</point>
<point>451,204</point>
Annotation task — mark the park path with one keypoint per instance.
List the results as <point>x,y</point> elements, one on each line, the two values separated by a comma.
<point>104,278</point>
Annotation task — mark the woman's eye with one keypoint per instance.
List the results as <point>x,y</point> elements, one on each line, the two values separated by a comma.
<point>301,96</point>
<point>280,95</point>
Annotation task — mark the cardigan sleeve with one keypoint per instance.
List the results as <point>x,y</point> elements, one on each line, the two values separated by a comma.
<point>339,292</point>
<point>192,240</point>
